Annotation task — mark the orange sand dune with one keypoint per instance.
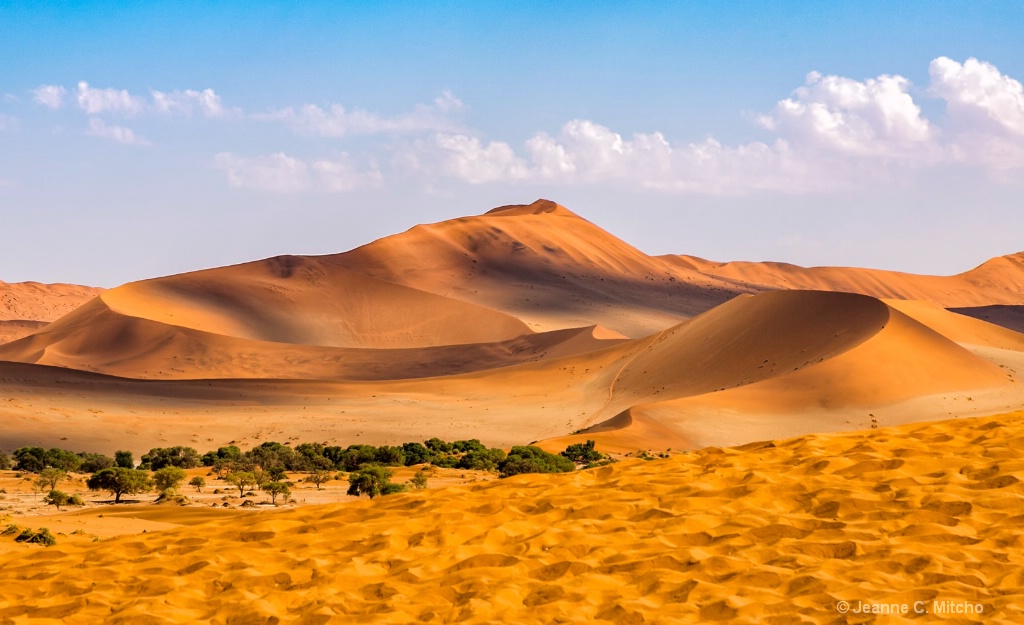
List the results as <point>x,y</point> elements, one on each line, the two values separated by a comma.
<point>98,339</point>
<point>926,515</point>
<point>543,264</point>
<point>997,281</point>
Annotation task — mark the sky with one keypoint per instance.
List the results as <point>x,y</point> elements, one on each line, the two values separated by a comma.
<point>149,138</point>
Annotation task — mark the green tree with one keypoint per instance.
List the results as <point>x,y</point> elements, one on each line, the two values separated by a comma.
<point>62,459</point>
<point>92,463</point>
<point>120,481</point>
<point>356,456</point>
<point>31,459</point>
<point>318,477</point>
<point>531,459</point>
<point>57,498</point>
<point>438,446</point>
<point>50,477</point>
<point>160,457</point>
<point>274,489</point>
<point>167,479</point>
<point>582,453</point>
<point>198,482</point>
<point>241,480</point>
<point>468,446</point>
<point>228,453</point>
<point>371,481</point>
<point>416,453</point>
<point>481,460</point>
<point>390,456</point>
<point>124,459</point>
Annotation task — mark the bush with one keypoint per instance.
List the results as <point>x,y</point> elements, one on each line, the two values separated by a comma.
<point>468,446</point>
<point>371,481</point>
<point>75,500</point>
<point>356,456</point>
<point>438,446</point>
<point>5,461</point>
<point>481,460</point>
<point>57,498</point>
<point>445,462</point>
<point>582,453</point>
<point>49,478</point>
<point>531,459</point>
<point>40,537</point>
<point>124,459</point>
<point>120,481</point>
<point>160,457</point>
<point>419,481</point>
<point>62,459</point>
<point>198,482</point>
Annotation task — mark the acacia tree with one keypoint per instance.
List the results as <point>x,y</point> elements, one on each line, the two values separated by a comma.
<point>49,478</point>
<point>168,478</point>
<point>277,488</point>
<point>372,481</point>
<point>120,481</point>
<point>241,480</point>
<point>318,477</point>
<point>198,482</point>
<point>57,498</point>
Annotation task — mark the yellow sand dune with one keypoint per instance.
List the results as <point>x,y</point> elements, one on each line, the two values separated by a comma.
<point>926,515</point>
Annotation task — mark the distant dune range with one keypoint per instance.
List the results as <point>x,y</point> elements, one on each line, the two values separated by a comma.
<point>28,306</point>
<point>525,323</point>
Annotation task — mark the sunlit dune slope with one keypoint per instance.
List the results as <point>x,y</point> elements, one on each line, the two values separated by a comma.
<point>997,281</point>
<point>770,533</point>
<point>543,264</point>
<point>96,338</point>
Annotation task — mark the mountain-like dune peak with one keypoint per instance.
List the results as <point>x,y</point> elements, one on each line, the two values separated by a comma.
<point>543,264</point>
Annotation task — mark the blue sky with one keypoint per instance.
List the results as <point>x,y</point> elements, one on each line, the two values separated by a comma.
<point>155,139</point>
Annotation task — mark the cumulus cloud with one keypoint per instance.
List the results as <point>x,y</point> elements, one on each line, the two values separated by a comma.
<point>831,133</point>
<point>99,128</point>
<point>188,101</point>
<point>50,96</point>
<point>337,121</point>
<point>94,101</point>
<point>281,173</point>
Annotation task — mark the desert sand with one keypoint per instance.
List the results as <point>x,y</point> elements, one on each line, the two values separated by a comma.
<point>25,307</point>
<point>772,532</point>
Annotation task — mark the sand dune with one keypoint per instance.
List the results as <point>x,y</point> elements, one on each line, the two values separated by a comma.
<point>773,532</point>
<point>997,281</point>
<point>25,307</point>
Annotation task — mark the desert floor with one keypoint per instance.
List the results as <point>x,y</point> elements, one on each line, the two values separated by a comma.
<point>774,532</point>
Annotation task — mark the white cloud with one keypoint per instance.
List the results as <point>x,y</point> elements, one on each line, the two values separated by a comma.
<point>978,96</point>
<point>281,173</point>
<point>337,121</point>
<point>467,158</point>
<point>186,102</point>
<point>99,128</point>
<point>50,96</point>
<point>94,101</point>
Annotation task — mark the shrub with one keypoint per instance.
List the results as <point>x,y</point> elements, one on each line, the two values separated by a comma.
<point>5,461</point>
<point>582,453</point>
<point>120,481</point>
<point>445,462</point>
<point>438,446</point>
<point>468,446</point>
<point>75,500</point>
<point>198,482</point>
<point>57,498</point>
<point>371,481</point>
<point>40,537</point>
<point>419,481</point>
<point>124,459</point>
<point>530,459</point>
